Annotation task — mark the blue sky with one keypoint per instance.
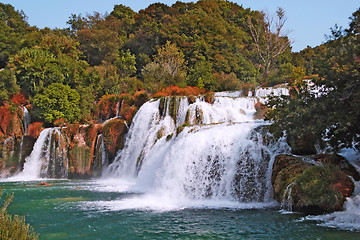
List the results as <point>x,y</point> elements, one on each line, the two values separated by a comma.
<point>308,20</point>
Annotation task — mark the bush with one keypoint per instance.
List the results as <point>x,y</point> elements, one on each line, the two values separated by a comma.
<point>58,101</point>
<point>13,227</point>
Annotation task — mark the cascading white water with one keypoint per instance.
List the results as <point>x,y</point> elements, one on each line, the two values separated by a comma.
<point>214,157</point>
<point>48,158</point>
<point>27,119</point>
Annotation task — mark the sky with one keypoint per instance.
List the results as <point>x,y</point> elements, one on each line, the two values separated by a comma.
<point>307,20</point>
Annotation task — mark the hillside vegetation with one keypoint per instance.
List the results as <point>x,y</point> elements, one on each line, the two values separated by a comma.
<point>214,45</point>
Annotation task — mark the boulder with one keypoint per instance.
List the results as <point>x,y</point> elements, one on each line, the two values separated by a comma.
<point>311,186</point>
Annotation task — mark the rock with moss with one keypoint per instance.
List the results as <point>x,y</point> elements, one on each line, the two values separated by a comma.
<point>83,154</point>
<point>311,186</point>
<point>113,133</point>
<point>13,151</point>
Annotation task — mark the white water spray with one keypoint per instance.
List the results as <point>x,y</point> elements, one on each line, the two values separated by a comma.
<point>48,158</point>
<point>27,119</point>
<point>215,158</point>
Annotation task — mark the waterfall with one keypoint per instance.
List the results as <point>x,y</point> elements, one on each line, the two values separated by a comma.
<point>48,158</point>
<point>193,150</point>
<point>27,119</point>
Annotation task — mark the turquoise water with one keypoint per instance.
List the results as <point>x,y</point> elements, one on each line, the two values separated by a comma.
<point>79,210</point>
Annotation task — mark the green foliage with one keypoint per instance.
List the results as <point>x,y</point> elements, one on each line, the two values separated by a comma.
<point>12,30</point>
<point>56,60</point>
<point>333,114</point>
<point>167,69</point>
<point>98,45</point>
<point>207,44</point>
<point>57,101</point>
<point>125,64</point>
<point>8,84</point>
<point>354,26</point>
<point>201,73</point>
<point>13,227</point>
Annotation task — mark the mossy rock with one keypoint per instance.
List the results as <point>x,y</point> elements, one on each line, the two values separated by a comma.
<point>13,154</point>
<point>321,189</point>
<point>114,132</point>
<point>315,189</point>
<point>174,107</point>
<point>285,170</point>
<point>339,161</point>
<point>80,161</point>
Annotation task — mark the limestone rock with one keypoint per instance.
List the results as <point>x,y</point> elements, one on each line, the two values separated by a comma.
<point>312,186</point>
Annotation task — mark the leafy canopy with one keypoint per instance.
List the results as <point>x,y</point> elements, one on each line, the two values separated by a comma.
<point>57,101</point>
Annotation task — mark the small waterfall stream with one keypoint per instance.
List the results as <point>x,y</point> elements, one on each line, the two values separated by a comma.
<point>48,158</point>
<point>27,119</point>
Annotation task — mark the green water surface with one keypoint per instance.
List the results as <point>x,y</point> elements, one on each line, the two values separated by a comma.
<point>63,211</point>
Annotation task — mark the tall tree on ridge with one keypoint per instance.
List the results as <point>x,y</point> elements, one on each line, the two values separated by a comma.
<point>269,38</point>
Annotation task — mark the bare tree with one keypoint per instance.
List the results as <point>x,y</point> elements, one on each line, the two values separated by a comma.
<point>270,40</point>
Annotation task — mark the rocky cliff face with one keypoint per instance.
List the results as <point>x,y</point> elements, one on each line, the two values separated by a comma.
<point>313,184</point>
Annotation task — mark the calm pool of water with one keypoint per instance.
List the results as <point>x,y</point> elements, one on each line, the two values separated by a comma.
<point>81,210</point>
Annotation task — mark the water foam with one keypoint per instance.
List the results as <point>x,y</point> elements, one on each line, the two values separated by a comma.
<point>215,160</point>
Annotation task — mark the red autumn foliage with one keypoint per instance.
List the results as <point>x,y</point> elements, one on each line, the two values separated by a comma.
<point>128,113</point>
<point>5,116</point>
<point>35,129</point>
<point>19,99</point>
<point>59,122</point>
<point>179,91</point>
<point>10,123</point>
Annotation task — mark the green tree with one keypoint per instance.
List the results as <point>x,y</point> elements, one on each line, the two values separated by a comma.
<point>354,26</point>
<point>55,60</point>
<point>57,101</point>
<point>8,85</point>
<point>125,64</point>
<point>334,113</point>
<point>202,70</point>
<point>13,27</point>
<point>269,39</point>
<point>168,68</point>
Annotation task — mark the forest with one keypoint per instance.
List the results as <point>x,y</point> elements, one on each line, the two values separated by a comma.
<point>210,45</point>
<point>213,45</point>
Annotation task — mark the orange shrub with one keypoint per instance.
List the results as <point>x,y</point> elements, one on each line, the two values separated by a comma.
<point>59,122</point>
<point>19,99</point>
<point>179,91</point>
<point>5,117</point>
